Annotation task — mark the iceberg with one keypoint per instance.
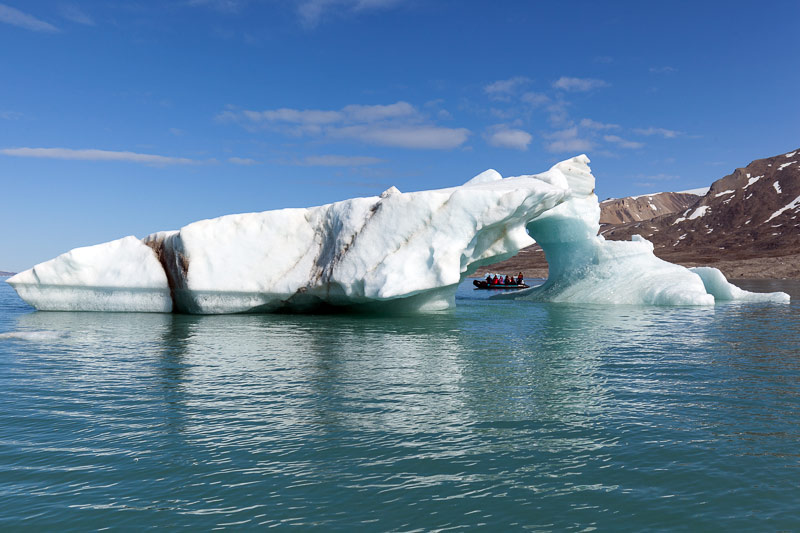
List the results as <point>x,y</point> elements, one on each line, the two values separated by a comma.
<point>397,251</point>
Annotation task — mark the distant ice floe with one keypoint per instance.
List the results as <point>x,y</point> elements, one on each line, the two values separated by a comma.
<point>33,336</point>
<point>716,284</point>
<point>396,252</point>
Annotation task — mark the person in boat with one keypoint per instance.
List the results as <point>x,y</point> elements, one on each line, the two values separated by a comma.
<point>507,280</point>
<point>495,281</point>
<point>488,279</point>
<point>519,279</point>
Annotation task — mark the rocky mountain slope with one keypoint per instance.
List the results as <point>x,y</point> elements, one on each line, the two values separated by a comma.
<point>747,225</point>
<point>617,211</point>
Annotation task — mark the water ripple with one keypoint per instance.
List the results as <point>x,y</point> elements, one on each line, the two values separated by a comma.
<point>502,415</point>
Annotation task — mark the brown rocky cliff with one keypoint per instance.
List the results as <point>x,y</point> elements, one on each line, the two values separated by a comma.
<point>637,208</point>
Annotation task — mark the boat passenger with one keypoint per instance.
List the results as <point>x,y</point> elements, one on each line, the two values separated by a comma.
<point>507,280</point>
<point>519,279</point>
<point>495,281</point>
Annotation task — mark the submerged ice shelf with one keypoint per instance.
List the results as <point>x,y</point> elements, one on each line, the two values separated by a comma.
<point>399,251</point>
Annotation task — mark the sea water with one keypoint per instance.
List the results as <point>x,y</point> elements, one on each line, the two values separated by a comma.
<point>502,414</point>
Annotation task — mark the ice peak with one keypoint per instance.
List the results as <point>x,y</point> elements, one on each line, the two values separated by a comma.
<point>487,176</point>
<point>390,191</point>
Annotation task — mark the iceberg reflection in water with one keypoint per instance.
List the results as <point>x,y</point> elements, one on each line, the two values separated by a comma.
<point>554,416</point>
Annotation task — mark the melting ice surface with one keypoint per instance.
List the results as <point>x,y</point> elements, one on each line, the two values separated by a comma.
<point>398,251</point>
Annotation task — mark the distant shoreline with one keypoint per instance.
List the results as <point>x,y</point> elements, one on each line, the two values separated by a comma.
<point>4,273</point>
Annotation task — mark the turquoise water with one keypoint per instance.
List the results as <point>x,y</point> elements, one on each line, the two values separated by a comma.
<point>509,415</point>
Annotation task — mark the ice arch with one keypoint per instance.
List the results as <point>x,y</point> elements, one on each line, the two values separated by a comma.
<point>399,251</point>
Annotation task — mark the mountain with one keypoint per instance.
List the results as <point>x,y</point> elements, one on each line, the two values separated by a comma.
<point>615,211</point>
<point>747,224</point>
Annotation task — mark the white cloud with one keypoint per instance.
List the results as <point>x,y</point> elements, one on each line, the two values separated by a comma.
<point>320,117</point>
<point>294,116</point>
<point>410,136</point>
<point>399,124</point>
<point>372,113</point>
<point>244,161</point>
<point>10,115</point>
<point>98,155</point>
<point>578,84</point>
<point>594,125</point>
<point>338,161</point>
<point>667,134</point>
<point>567,140</point>
<point>503,89</point>
<point>505,137</point>
<point>177,132</point>
<point>622,142</point>
<point>15,17</point>
<point>72,13</point>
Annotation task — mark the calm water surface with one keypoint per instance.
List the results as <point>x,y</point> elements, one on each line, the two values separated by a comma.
<point>508,415</point>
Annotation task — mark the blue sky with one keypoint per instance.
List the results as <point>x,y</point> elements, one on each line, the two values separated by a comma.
<point>120,118</point>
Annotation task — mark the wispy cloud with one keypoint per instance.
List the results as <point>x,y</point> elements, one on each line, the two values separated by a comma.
<point>535,99</point>
<point>73,13</point>
<point>411,136</point>
<point>319,117</point>
<point>623,143</point>
<point>557,112</point>
<point>338,161</point>
<point>505,137</point>
<point>10,115</point>
<point>594,125</point>
<point>504,89</point>
<point>227,6</point>
<point>578,84</point>
<point>399,124</point>
<point>663,70</point>
<point>244,161</point>
<point>568,140</point>
<point>643,180</point>
<point>99,155</point>
<point>667,134</point>
<point>312,12</point>
<point>15,17</point>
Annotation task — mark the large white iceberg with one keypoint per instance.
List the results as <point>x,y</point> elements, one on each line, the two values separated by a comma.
<point>399,251</point>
